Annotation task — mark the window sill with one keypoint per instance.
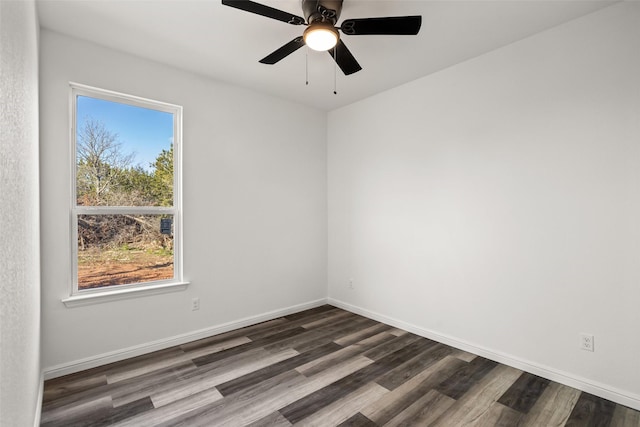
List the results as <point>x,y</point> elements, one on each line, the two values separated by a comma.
<point>120,294</point>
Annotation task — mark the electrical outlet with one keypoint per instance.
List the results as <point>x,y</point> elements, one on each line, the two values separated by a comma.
<point>195,304</point>
<point>586,342</point>
<point>350,283</point>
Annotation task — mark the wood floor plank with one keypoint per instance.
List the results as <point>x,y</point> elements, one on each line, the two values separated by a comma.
<point>625,417</point>
<point>341,410</point>
<point>90,379</point>
<point>127,364</point>
<point>402,355</point>
<point>329,333</point>
<point>304,407</point>
<point>168,412</point>
<point>463,355</point>
<point>397,332</point>
<point>591,411</point>
<point>328,320</point>
<point>244,348</point>
<point>458,384</point>
<point>242,332</point>
<point>290,324</point>
<point>423,411</point>
<point>275,419</point>
<point>312,337</point>
<point>403,396</point>
<point>553,407</point>
<point>325,367</point>
<point>196,383</point>
<point>395,344</point>
<point>133,389</point>
<point>224,410</point>
<point>347,326</point>
<point>318,336</point>
<point>77,398</point>
<point>179,382</point>
<point>247,407</point>
<point>313,367</point>
<point>141,369</point>
<point>361,334</point>
<point>475,403</point>
<point>498,415</point>
<point>358,420</point>
<point>216,347</point>
<point>109,417</point>
<point>524,393</point>
<point>72,412</point>
<point>422,360</point>
<point>158,382</point>
<point>184,389</point>
<point>311,312</point>
<point>270,371</point>
<point>278,399</point>
<point>64,387</point>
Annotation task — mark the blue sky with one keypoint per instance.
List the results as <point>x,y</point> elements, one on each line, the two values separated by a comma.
<point>140,130</point>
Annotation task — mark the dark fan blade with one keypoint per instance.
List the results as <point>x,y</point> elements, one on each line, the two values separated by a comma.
<point>344,59</point>
<point>284,51</point>
<point>394,25</point>
<point>260,9</point>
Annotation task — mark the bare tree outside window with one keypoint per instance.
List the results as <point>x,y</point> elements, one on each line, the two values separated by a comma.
<point>100,163</point>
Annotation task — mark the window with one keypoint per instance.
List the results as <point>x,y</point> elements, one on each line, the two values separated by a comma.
<point>125,209</point>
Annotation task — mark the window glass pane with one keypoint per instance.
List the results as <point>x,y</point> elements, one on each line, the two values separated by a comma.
<point>124,154</point>
<point>124,249</point>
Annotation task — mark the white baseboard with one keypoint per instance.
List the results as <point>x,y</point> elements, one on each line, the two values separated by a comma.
<point>126,353</point>
<point>602,390</point>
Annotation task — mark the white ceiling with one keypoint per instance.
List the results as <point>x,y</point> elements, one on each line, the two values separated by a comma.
<point>225,44</point>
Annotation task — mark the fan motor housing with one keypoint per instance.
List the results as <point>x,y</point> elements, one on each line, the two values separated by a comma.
<point>322,10</point>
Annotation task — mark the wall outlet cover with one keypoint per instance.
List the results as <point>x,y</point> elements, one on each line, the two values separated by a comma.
<point>586,342</point>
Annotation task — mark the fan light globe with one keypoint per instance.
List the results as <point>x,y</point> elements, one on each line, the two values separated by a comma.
<point>320,37</point>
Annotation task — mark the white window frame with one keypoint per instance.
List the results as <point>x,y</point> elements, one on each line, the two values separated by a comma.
<point>116,292</point>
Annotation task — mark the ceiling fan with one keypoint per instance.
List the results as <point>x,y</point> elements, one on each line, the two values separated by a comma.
<point>320,17</point>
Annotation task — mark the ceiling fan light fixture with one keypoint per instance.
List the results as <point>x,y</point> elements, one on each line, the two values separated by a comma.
<point>320,36</point>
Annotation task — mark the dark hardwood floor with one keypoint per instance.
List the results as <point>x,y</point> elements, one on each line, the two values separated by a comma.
<point>320,367</point>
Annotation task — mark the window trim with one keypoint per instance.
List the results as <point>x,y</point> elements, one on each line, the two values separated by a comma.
<point>117,292</point>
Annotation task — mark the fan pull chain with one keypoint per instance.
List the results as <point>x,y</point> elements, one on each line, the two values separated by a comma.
<point>306,65</point>
<point>335,71</point>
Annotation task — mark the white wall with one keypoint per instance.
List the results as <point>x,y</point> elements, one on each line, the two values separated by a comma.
<point>496,204</point>
<point>255,215</point>
<point>19,216</point>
